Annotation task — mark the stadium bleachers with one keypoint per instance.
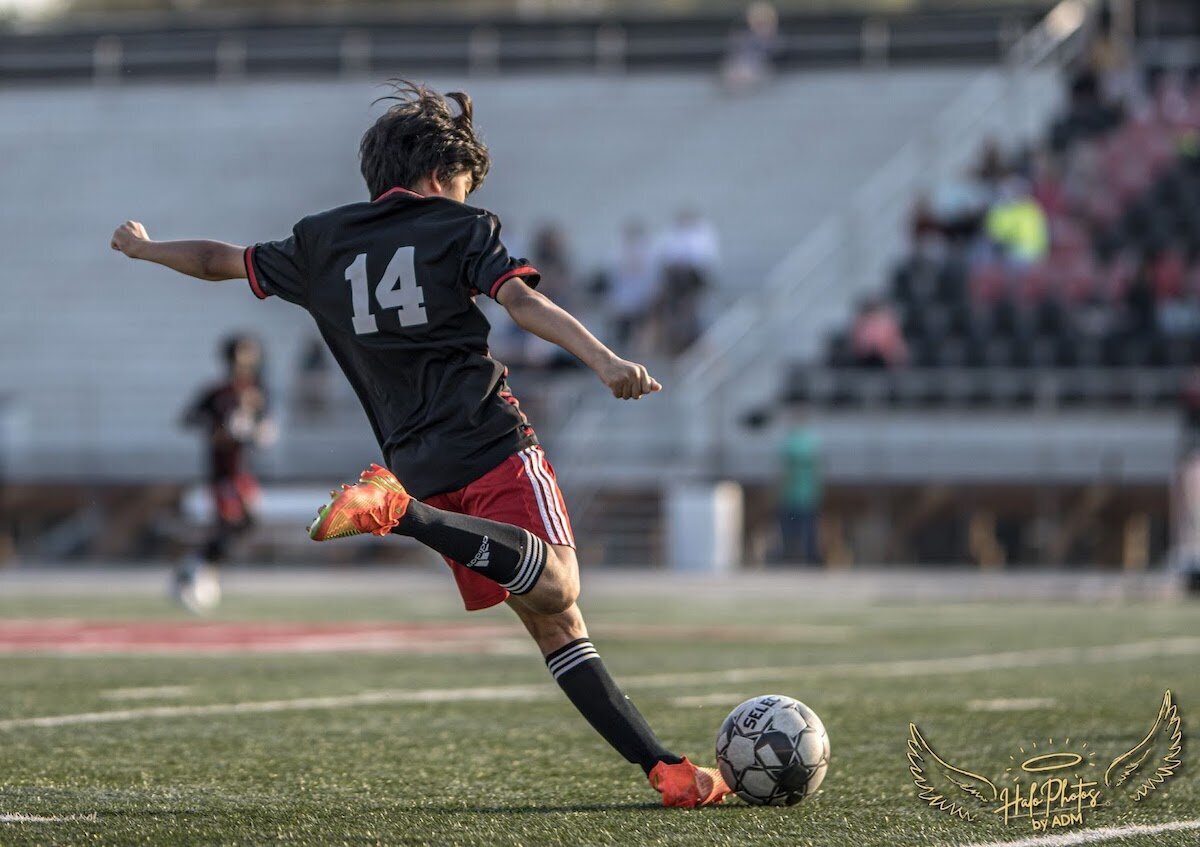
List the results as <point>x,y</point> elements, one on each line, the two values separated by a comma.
<point>99,354</point>
<point>1106,317</point>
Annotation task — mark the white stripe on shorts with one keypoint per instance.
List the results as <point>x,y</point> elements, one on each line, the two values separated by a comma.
<point>555,495</point>
<point>556,522</point>
<point>529,460</point>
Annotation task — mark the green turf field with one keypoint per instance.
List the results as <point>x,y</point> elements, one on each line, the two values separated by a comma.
<point>459,748</point>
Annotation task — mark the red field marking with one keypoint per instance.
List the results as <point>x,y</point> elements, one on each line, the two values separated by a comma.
<point>76,636</point>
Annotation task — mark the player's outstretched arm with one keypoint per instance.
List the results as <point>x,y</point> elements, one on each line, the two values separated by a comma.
<point>210,260</point>
<point>536,313</point>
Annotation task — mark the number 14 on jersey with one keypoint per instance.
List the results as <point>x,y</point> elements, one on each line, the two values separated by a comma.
<point>396,289</point>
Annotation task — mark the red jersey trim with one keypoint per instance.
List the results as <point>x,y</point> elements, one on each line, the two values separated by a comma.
<point>397,190</point>
<point>248,258</point>
<point>506,276</point>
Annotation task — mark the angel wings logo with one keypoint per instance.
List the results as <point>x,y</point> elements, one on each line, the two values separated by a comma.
<point>1054,786</point>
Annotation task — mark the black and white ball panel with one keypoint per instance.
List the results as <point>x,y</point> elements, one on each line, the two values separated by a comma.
<point>773,750</point>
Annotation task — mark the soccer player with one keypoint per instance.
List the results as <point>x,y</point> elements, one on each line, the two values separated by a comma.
<point>232,415</point>
<point>391,284</point>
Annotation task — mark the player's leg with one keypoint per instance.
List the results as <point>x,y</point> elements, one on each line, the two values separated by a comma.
<point>195,584</point>
<point>576,666</point>
<point>514,558</point>
<point>495,560</point>
<point>545,576</point>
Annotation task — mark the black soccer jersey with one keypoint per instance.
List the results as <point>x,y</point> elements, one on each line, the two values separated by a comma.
<point>392,286</point>
<point>230,413</point>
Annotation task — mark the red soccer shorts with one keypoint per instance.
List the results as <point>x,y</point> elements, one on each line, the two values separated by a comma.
<point>523,491</point>
<point>235,497</point>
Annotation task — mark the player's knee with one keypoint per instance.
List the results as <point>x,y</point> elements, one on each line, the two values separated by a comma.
<point>564,597</point>
<point>557,587</point>
<point>552,596</point>
<point>562,580</point>
<point>552,630</point>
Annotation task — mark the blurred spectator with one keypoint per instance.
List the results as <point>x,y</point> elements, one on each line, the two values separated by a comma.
<point>958,205</point>
<point>1017,225</point>
<point>800,495</point>
<point>550,256</point>
<point>1178,317</point>
<point>313,380</point>
<point>634,284</point>
<point>876,340</point>
<point>993,167</point>
<point>691,243</point>
<point>753,50</point>
<point>1048,189</point>
<point>928,235</point>
<point>1140,308</point>
<point>1186,500</point>
<point>1092,318</point>
<point>688,253</point>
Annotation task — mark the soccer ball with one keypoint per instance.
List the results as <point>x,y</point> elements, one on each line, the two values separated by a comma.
<point>773,750</point>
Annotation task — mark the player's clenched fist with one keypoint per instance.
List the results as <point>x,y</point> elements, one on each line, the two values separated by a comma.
<point>629,380</point>
<point>128,237</point>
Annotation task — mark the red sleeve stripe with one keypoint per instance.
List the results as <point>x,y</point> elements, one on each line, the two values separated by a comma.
<point>507,275</point>
<point>248,258</point>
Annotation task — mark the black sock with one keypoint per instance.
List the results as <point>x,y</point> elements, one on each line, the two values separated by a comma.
<point>578,670</point>
<point>505,554</point>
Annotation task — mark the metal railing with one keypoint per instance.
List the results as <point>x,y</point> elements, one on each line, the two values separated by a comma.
<point>230,49</point>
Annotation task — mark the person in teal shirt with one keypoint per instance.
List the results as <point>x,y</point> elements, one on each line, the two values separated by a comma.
<point>800,494</point>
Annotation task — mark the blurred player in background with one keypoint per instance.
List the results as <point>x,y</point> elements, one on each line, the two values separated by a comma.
<point>233,417</point>
<point>391,285</point>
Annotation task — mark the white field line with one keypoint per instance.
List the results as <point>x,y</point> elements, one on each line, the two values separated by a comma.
<point>1038,657</point>
<point>1091,836</point>
<point>907,667</point>
<point>363,698</point>
<point>156,692</point>
<point>19,818</point>
<point>717,698</point>
<point>1011,704</point>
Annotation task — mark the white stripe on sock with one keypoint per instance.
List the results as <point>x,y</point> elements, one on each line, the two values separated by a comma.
<point>537,563</point>
<point>568,654</point>
<point>523,568</point>
<point>586,657</point>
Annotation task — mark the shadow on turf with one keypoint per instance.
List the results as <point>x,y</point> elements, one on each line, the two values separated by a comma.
<point>529,809</point>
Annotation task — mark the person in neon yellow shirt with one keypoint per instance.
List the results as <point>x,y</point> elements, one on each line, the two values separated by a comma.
<point>1017,224</point>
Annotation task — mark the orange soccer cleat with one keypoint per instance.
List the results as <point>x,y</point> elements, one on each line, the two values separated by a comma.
<point>375,505</point>
<point>686,786</point>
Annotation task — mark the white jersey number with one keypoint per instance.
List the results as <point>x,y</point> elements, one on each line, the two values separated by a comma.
<point>397,289</point>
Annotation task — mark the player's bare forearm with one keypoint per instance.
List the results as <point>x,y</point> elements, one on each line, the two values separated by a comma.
<point>536,313</point>
<point>208,260</point>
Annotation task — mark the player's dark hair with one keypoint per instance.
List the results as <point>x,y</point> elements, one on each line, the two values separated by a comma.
<point>420,135</point>
<point>230,345</point>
